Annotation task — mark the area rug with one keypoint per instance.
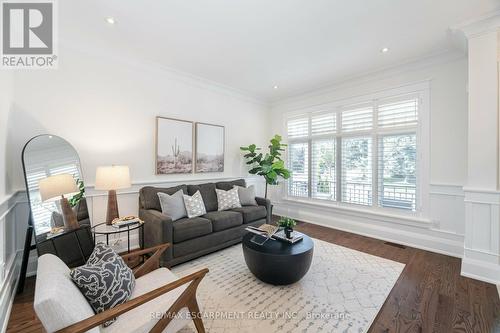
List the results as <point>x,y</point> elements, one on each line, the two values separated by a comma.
<point>342,292</point>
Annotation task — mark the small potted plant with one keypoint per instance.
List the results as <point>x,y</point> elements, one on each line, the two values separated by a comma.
<point>287,223</point>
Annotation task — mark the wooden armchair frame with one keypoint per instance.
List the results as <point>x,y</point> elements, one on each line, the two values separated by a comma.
<point>186,299</point>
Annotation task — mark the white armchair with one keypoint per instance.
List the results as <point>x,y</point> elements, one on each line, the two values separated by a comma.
<point>160,301</point>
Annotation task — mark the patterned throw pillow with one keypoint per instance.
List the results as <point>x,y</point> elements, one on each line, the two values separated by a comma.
<point>228,199</point>
<point>194,205</point>
<point>105,280</point>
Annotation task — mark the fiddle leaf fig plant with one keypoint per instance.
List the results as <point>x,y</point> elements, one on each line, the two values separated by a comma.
<point>78,197</point>
<point>270,166</point>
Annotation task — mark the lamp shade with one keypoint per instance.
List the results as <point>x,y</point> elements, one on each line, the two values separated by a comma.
<point>53,187</point>
<point>113,177</point>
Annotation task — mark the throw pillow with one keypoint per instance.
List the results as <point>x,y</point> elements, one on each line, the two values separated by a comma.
<point>247,195</point>
<point>194,205</point>
<point>228,199</point>
<point>105,280</point>
<point>173,205</point>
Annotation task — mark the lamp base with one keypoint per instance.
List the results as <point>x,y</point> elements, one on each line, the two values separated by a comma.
<point>112,212</point>
<point>69,216</point>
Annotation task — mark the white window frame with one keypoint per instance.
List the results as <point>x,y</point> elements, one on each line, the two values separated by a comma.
<point>422,90</point>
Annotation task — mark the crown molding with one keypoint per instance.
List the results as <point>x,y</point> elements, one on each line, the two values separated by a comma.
<point>171,73</point>
<point>480,25</point>
<point>375,75</point>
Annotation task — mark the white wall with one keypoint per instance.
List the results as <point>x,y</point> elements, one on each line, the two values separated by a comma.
<point>443,229</point>
<point>6,98</point>
<point>106,107</point>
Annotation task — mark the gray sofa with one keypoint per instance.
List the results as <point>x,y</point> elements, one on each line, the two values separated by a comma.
<point>194,237</point>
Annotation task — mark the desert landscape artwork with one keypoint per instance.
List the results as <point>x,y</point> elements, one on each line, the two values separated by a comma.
<point>174,146</point>
<point>209,148</point>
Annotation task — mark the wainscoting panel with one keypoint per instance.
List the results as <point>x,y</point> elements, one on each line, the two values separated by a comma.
<point>482,235</point>
<point>441,232</point>
<point>447,210</point>
<point>10,257</point>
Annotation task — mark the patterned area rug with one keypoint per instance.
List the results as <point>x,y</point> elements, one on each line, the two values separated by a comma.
<point>342,292</point>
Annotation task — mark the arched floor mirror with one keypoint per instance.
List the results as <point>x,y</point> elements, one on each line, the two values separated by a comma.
<point>59,217</point>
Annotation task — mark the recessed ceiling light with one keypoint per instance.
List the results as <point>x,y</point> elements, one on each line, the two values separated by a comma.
<point>275,87</point>
<point>384,50</point>
<point>110,20</point>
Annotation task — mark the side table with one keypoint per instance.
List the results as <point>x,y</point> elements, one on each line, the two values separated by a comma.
<point>105,229</point>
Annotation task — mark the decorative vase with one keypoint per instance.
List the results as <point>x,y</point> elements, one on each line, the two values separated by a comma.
<point>288,232</point>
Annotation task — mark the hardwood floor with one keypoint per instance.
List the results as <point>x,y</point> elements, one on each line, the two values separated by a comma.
<point>430,295</point>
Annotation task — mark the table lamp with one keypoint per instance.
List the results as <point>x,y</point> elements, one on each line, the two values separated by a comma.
<point>60,187</point>
<point>112,178</point>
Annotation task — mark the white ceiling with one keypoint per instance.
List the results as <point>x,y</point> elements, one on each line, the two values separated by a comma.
<point>252,45</point>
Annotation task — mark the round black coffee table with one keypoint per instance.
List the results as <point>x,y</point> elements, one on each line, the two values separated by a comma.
<point>278,262</point>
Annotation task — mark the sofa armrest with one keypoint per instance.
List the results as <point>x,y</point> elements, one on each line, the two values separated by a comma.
<point>158,229</point>
<point>269,207</point>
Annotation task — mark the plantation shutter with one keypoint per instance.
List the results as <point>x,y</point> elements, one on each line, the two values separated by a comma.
<point>396,113</point>
<point>71,169</point>
<point>42,212</point>
<point>323,169</point>
<point>358,118</point>
<point>322,124</point>
<point>34,177</point>
<point>298,128</point>
<point>397,156</point>
<point>363,154</point>
<point>357,170</point>
<point>298,162</point>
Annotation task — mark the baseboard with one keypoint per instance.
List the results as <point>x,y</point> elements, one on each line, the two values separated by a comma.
<point>422,238</point>
<point>8,291</point>
<point>480,270</point>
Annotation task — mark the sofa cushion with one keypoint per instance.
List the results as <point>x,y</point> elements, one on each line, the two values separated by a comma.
<point>209,243</point>
<point>58,301</point>
<point>224,220</point>
<point>149,195</point>
<point>251,213</point>
<point>186,228</point>
<point>227,185</point>
<point>143,318</point>
<point>207,193</point>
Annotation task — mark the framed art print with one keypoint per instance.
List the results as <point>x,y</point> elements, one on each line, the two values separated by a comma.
<point>174,146</point>
<point>209,148</point>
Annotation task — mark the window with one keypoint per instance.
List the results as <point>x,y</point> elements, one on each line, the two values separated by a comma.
<point>397,159</point>
<point>357,170</point>
<point>299,165</point>
<point>363,154</point>
<point>323,169</point>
